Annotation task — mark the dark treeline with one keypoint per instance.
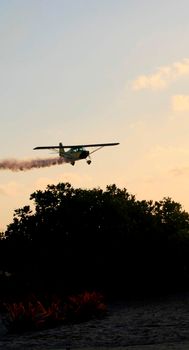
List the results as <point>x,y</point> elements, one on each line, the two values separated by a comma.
<point>77,239</point>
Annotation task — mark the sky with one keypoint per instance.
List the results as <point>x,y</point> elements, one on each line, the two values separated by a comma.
<point>85,71</point>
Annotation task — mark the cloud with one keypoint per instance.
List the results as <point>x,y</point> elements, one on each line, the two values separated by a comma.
<point>180,103</point>
<point>162,77</point>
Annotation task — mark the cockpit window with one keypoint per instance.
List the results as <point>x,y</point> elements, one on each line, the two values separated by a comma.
<point>77,149</point>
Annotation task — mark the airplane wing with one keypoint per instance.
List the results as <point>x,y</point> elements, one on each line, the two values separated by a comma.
<point>78,146</point>
<point>47,147</point>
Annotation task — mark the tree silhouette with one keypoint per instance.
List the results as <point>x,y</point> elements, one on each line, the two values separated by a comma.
<point>109,240</point>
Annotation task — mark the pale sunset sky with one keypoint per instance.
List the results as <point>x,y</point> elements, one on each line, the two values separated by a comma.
<point>95,71</point>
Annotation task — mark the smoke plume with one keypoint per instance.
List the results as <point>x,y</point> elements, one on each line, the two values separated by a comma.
<point>23,165</point>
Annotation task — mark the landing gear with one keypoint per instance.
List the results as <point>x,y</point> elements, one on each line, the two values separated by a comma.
<point>88,161</point>
<point>72,163</point>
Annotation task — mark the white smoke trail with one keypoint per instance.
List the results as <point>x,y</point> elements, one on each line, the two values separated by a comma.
<point>23,165</point>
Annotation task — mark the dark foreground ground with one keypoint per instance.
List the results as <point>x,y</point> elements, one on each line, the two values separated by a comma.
<point>152,324</point>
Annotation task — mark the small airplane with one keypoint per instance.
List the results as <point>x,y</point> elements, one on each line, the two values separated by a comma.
<point>76,152</point>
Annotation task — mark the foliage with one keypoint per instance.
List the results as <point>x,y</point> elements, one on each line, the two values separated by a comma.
<point>84,306</point>
<point>93,239</point>
<point>34,314</point>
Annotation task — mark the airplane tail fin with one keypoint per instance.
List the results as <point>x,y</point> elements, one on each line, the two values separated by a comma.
<point>61,150</point>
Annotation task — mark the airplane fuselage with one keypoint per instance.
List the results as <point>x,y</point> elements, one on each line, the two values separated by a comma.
<point>72,155</point>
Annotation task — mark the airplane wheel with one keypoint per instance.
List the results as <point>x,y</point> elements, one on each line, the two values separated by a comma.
<point>72,163</point>
<point>89,162</point>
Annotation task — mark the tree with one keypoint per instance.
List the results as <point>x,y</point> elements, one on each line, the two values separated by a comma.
<point>79,237</point>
